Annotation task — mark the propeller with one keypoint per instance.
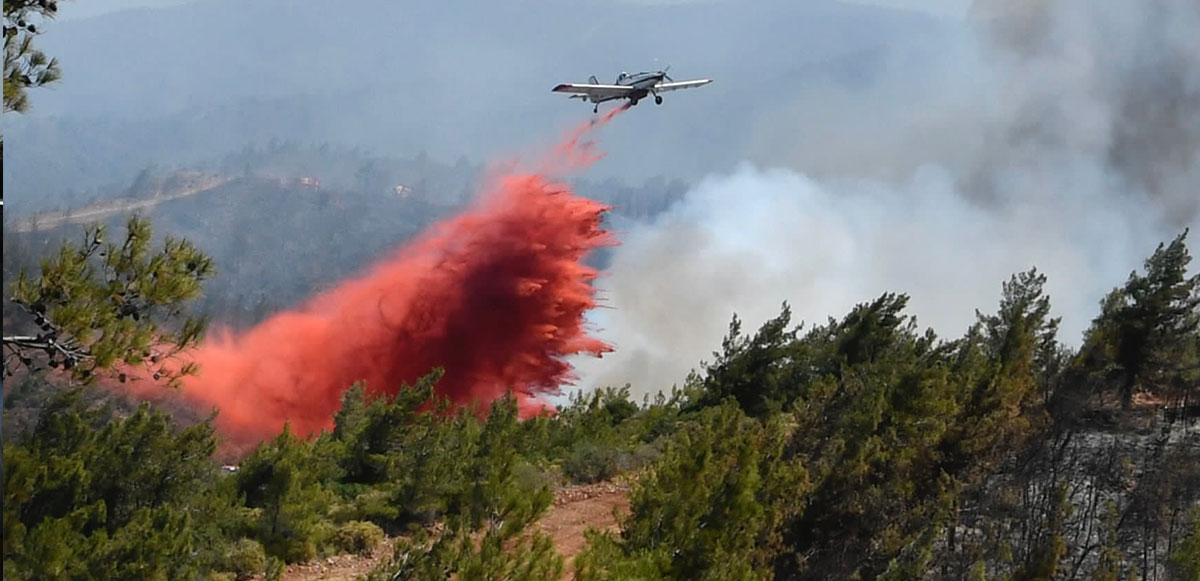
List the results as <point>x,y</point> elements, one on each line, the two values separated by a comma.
<point>664,71</point>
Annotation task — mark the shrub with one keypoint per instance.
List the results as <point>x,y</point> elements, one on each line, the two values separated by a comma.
<point>531,477</point>
<point>297,550</point>
<point>591,463</point>
<point>359,537</point>
<point>643,456</point>
<point>246,558</point>
<point>275,569</point>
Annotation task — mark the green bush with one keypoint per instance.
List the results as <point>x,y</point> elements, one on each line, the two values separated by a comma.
<point>644,455</point>
<point>359,537</point>
<point>281,480</point>
<point>531,477</point>
<point>324,538</point>
<point>373,504</point>
<point>90,496</point>
<point>275,569</point>
<point>591,463</point>
<point>296,550</point>
<point>246,558</point>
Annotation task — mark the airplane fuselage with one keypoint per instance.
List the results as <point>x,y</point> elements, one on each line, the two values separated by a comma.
<point>642,83</point>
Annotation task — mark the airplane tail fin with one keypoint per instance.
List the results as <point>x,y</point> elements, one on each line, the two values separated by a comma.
<point>592,79</point>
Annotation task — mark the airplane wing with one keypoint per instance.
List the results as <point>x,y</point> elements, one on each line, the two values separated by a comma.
<point>593,90</point>
<point>664,87</point>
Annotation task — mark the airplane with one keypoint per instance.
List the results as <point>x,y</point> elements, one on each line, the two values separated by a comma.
<point>633,87</point>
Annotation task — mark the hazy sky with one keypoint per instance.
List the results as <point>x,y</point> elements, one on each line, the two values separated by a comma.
<point>954,9</point>
<point>78,9</point>
<point>449,78</point>
<point>74,9</point>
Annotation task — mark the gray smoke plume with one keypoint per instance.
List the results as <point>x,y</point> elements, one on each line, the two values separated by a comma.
<point>1058,135</point>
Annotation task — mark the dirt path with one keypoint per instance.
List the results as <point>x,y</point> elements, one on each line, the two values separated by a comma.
<point>92,213</point>
<point>340,567</point>
<point>575,509</point>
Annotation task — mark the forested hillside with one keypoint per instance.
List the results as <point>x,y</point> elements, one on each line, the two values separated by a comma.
<point>286,221</point>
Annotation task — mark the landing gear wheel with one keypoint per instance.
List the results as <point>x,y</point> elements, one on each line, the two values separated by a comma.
<point>658,99</point>
<point>633,102</point>
<point>595,109</point>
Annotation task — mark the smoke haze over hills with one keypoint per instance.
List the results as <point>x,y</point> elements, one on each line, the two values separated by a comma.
<point>1062,136</point>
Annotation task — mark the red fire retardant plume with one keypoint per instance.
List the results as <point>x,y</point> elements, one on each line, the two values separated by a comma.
<point>495,297</point>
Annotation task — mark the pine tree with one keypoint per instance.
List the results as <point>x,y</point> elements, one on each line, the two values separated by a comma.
<point>282,481</point>
<point>1004,364</point>
<point>25,67</point>
<point>486,532</point>
<point>711,508</point>
<point>111,307</point>
<point>749,367</point>
<point>86,496</point>
<point>1148,330</point>
<point>873,402</point>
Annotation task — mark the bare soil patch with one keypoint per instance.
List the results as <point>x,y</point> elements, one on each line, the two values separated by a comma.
<point>575,509</point>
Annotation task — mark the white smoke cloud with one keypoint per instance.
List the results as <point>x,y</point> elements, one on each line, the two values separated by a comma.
<point>747,241</point>
<point>1064,137</point>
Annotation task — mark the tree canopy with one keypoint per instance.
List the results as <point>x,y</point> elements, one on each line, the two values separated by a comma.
<point>103,306</point>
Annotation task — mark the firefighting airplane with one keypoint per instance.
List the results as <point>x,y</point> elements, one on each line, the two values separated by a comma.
<point>633,87</point>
